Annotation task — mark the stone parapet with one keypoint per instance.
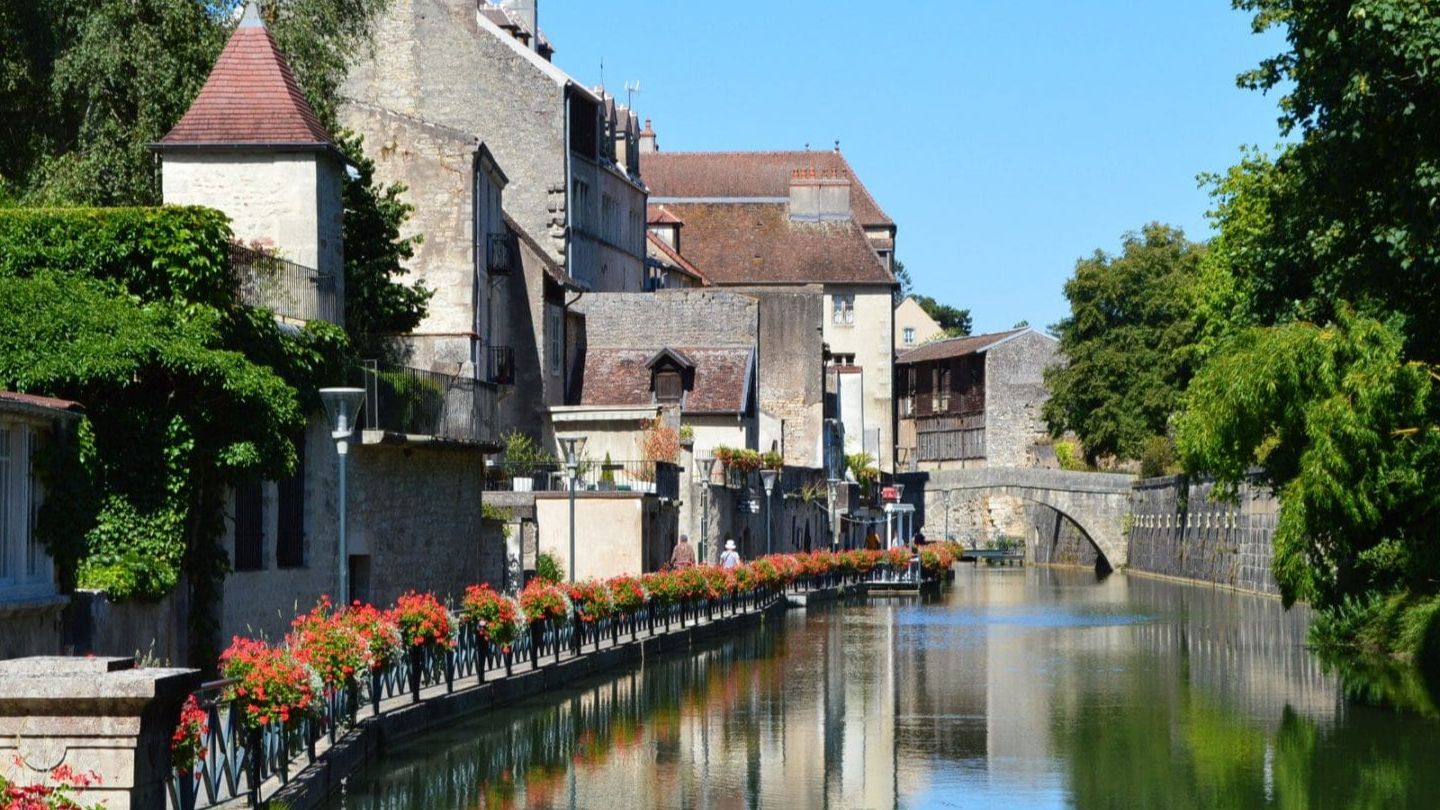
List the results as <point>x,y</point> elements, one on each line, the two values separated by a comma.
<point>92,714</point>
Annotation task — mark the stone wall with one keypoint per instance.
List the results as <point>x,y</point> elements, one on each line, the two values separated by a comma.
<point>791,391</point>
<point>676,317</point>
<point>1014,394</point>
<point>32,626</point>
<point>1177,529</point>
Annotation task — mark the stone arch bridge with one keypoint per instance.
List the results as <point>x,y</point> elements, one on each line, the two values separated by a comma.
<point>1095,502</point>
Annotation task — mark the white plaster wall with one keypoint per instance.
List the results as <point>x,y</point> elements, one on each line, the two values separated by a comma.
<point>910,314</point>
<point>871,340</point>
<point>609,532</point>
<point>270,197</point>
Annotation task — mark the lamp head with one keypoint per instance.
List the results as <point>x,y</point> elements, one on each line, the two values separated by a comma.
<point>342,408</point>
<point>767,477</point>
<point>573,447</point>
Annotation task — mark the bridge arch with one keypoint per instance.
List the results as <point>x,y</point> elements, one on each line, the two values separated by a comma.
<point>1096,503</point>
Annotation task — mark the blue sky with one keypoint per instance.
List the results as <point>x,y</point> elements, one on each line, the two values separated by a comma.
<point>1007,139</point>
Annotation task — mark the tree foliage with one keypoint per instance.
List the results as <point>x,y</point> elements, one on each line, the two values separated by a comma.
<point>1127,342</point>
<point>1344,429</point>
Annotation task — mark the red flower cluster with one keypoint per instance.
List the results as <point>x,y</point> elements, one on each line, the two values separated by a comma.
<point>628,593</point>
<point>422,620</point>
<point>57,796</point>
<point>591,599</point>
<point>273,686</point>
<point>187,744</point>
<point>332,643</point>
<point>380,632</point>
<point>498,619</point>
<point>936,558</point>
<point>541,600</point>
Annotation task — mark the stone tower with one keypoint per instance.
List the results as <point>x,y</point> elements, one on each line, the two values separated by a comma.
<point>251,146</point>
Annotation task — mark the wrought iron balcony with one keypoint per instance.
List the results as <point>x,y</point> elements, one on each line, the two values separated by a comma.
<point>407,401</point>
<point>288,289</point>
<point>500,365</point>
<point>649,477</point>
<point>502,253</point>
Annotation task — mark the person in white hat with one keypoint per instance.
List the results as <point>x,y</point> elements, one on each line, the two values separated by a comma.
<point>729,558</point>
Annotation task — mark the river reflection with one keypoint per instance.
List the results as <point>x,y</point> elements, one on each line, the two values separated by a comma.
<point>1017,688</point>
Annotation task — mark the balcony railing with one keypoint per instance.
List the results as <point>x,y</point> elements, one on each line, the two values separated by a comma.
<point>502,253</point>
<point>500,365</point>
<point>414,402</point>
<point>651,477</point>
<point>288,289</point>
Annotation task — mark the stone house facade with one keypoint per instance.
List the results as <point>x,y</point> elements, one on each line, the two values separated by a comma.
<point>794,224</point>
<point>975,401</point>
<point>914,326</point>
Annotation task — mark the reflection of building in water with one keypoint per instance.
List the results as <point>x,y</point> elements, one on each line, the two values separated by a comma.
<point>881,705</point>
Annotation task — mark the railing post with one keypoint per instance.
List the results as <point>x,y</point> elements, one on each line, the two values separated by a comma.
<point>416,662</point>
<point>482,656</point>
<point>537,634</point>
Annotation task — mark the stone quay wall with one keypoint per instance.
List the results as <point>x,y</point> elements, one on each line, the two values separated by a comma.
<point>1178,529</point>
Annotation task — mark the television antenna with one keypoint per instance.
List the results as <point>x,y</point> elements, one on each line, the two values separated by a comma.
<point>631,89</point>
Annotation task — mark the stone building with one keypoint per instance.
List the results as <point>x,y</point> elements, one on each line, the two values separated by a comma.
<point>914,326</point>
<point>974,401</point>
<point>251,147</point>
<point>30,605</point>
<point>800,231</point>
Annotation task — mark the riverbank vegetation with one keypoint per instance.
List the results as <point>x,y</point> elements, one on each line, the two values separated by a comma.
<point>1302,355</point>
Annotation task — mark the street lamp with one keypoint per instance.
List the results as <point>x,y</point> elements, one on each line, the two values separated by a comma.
<point>832,490</point>
<point>947,514</point>
<point>573,446</point>
<point>342,406</point>
<point>767,477</point>
<point>707,466</point>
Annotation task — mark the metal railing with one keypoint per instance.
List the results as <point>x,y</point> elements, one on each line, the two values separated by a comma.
<point>288,289</point>
<point>652,477</point>
<point>415,402</point>
<point>241,762</point>
<point>502,253</point>
<point>499,365</point>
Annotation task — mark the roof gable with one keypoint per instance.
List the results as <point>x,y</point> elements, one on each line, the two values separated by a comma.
<point>962,346</point>
<point>250,98</point>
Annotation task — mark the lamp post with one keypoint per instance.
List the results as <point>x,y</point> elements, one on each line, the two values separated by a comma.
<point>832,488</point>
<point>573,447</point>
<point>767,477</point>
<point>342,406</point>
<point>707,466</point>
<point>947,514</point>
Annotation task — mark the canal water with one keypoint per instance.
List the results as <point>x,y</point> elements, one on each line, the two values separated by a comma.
<point>1019,688</point>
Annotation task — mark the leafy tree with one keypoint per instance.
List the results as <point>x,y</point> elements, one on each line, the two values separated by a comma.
<point>1127,342</point>
<point>1348,212</point>
<point>902,278</point>
<point>955,322</point>
<point>377,305</point>
<point>1345,430</point>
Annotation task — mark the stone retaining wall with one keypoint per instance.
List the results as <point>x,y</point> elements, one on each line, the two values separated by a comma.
<point>1178,529</point>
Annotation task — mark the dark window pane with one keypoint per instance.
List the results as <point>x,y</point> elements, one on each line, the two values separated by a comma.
<point>248,532</point>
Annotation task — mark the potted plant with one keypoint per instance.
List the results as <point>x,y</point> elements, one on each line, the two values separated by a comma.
<point>424,627</point>
<point>498,621</point>
<point>607,473</point>
<point>523,457</point>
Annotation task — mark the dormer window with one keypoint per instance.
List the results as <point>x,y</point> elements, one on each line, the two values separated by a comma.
<point>668,387</point>
<point>671,375</point>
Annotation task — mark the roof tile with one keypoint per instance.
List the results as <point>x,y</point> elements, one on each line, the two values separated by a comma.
<point>621,377</point>
<point>250,98</point>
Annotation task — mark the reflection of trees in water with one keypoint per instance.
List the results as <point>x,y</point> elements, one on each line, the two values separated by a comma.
<point>526,762</point>
<point>1172,746</point>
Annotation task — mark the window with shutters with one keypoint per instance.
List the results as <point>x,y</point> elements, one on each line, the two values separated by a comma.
<point>668,386</point>
<point>249,531</point>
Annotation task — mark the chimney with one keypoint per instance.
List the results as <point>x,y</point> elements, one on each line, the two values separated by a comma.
<point>525,14</point>
<point>648,143</point>
<point>819,195</point>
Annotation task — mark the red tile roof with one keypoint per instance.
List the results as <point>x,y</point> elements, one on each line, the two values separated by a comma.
<point>250,98</point>
<point>750,174</point>
<point>757,243</point>
<point>15,401</point>
<point>660,215</point>
<point>621,378</point>
<point>957,347</point>
<point>657,250</point>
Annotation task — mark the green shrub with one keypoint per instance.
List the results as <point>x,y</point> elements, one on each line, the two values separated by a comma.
<point>1157,457</point>
<point>1067,452</point>
<point>548,568</point>
<point>165,253</point>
